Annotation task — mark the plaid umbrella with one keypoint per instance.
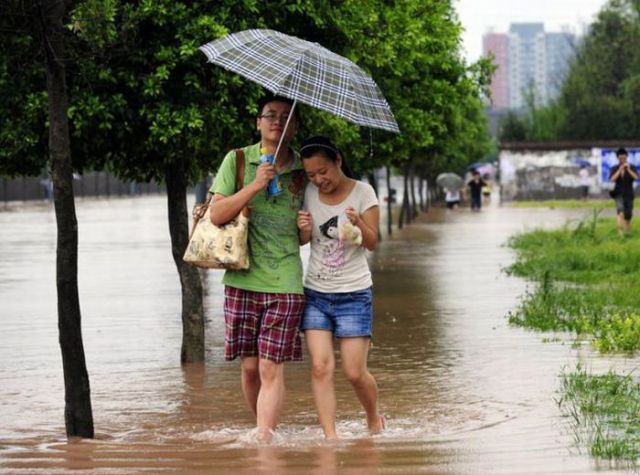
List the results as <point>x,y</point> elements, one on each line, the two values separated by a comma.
<point>306,72</point>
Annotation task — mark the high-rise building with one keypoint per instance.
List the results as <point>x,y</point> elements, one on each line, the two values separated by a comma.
<point>527,64</point>
<point>497,45</point>
<point>532,64</point>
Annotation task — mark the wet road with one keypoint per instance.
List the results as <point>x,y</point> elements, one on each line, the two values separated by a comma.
<point>463,392</point>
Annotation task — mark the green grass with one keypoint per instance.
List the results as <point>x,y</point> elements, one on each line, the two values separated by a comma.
<point>597,204</point>
<point>604,411</point>
<point>588,283</point>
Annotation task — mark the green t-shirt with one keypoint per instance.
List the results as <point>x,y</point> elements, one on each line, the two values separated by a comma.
<point>274,249</point>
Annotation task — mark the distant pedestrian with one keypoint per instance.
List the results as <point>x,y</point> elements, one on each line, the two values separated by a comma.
<point>585,181</point>
<point>452,198</point>
<point>486,189</point>
<point>623,175</point>
<point>475,190</point>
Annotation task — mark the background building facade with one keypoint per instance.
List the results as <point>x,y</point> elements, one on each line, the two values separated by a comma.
<point>532,64</point>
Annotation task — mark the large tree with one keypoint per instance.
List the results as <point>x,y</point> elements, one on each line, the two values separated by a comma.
<point>38,27</point>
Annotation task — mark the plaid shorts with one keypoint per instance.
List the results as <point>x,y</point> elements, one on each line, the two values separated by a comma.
<point>262,324</point>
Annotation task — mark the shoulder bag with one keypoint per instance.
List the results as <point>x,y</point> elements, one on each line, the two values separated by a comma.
<point>220,247</point>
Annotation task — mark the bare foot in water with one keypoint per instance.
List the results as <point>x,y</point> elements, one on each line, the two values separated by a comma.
<point>378,425</point>
<point>264,436</point>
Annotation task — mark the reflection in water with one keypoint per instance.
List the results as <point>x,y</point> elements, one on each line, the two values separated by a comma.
<point>462,391</point>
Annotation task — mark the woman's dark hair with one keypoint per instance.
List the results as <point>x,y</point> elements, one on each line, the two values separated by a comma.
<point>321,144</point>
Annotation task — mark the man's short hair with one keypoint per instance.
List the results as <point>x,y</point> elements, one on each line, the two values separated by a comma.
<point>621,151</point>
<point>267,98</point>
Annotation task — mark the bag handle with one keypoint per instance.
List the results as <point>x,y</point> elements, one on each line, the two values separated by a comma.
<point>199,210</point>
<point>239,169</point>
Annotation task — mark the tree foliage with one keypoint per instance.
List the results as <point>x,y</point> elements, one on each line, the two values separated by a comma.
<point>143,96</point>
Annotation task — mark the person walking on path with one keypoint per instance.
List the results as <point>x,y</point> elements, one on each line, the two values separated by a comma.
<point>585,181</point>
<point>622,176</point>
<point>340,219</point>
<point>263,305</point>
<point>452,198</point>
<point>475,190</point>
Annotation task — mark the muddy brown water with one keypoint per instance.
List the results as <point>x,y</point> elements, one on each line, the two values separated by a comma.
<point>463,392</point>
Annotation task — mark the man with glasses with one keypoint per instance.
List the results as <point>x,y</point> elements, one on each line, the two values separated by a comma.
<point>263,304</point>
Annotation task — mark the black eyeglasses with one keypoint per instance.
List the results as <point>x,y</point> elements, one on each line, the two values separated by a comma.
<point>272,117</point>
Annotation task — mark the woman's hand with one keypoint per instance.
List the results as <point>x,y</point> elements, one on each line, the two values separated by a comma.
<point>305,222</point>
<point>353,215</point>
<point>305,226</point>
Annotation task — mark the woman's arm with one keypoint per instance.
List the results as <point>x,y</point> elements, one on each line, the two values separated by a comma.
<point>305,225</point>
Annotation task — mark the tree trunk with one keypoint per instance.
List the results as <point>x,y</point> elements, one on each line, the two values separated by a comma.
<point>389,201</point>
<point>192,309</point>
<point>427,192</point>
<point>414,206</point>
<point>78,413</point>
<point>404,209</point>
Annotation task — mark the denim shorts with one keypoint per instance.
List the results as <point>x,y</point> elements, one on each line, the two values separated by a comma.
<point>347,314</point>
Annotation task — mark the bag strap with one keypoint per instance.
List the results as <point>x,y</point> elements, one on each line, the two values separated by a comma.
<point>200,209</point>
<point>239,169</point>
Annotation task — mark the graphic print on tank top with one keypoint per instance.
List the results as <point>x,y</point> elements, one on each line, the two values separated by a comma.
<point>332,250</point>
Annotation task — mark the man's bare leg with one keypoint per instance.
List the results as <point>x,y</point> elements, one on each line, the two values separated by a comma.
<point>250,378</point>
<point>270,398</point>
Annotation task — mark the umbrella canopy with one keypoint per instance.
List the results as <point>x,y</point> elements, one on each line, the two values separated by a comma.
<point>484,168</point>
<point>581,162</point>
<point>450,181</point>
<point>306,72</point>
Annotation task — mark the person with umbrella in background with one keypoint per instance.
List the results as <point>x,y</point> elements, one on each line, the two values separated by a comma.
<point>263,305</point>
<point>475,190</point>
<point>585,181</point>
<point>452,198</point>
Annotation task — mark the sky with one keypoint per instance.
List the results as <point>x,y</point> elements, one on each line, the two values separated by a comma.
<point>480,16</point>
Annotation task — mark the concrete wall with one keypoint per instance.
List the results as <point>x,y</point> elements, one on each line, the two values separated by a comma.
<point>547,174</point>
<point>88,184</point>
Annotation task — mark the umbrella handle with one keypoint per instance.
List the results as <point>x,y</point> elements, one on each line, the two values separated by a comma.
<point>286,125</point>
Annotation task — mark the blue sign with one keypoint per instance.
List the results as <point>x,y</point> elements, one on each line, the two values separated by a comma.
<point>608,160</point>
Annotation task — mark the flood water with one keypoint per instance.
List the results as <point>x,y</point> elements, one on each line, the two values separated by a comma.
<point>463,392</point>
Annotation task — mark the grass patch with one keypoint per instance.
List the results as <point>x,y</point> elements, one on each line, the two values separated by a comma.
<point>588,282</point>
<point>597,204</point>
<point>604,411</point>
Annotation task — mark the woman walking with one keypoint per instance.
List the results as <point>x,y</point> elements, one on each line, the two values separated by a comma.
<point>340,219</point>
